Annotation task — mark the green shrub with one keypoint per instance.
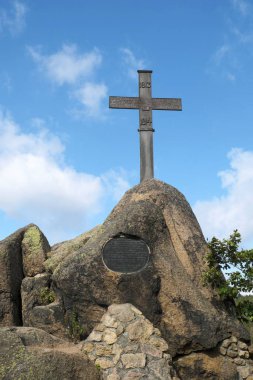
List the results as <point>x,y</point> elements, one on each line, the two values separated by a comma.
<point>225,257</point>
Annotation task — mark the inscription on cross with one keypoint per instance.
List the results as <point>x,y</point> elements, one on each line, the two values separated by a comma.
<point>145,103</point>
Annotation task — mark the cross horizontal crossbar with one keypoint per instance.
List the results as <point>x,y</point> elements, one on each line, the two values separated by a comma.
<point>173,104</point>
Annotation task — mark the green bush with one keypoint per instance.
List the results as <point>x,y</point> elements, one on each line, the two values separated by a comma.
<point>225,257</point>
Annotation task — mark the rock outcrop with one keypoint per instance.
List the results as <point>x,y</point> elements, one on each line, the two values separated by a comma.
<point>66,289</point>
<point>28,353</point>
<point>169,291</point>
<point>21,254</point>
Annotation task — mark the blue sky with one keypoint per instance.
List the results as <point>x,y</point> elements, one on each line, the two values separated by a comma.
<point>66,158</point>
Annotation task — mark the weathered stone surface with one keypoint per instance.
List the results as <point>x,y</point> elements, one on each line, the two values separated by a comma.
<point>244,372</point>
<point>198,366</point>
<point>70,298</point>
<point>169,291</point>
<point>40,308</point>
<point>133,360</point>
<point>139,329</point>
<point>242,346</point>
<point>34,250</point>
<point>12,269</point>
<point>27,353</point>
<point>61,251</point>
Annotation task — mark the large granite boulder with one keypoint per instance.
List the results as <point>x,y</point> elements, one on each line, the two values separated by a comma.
<point>21,254</point>
<point>65,291</point>
<point>169,290</point>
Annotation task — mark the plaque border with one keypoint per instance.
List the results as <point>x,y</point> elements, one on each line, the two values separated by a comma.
<point>121,235</point>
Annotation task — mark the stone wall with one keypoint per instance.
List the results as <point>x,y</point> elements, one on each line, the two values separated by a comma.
<point>125,345</point>
<point>238,353</point>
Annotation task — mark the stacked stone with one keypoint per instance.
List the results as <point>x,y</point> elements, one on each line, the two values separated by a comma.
<point>238,352</point>
<point>125,345</point>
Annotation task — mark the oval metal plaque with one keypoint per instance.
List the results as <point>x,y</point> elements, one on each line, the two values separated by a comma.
<point>126,254</point>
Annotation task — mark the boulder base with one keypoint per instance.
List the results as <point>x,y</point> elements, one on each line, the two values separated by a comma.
<point>29,353</point>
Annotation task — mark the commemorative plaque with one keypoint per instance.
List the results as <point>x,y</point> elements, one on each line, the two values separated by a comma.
<point>125,254</point>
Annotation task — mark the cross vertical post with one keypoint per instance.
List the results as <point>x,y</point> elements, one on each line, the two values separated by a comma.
<point>145,104</point>
<point>145,126</point>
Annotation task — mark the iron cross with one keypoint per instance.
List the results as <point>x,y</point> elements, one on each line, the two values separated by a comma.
<point>145,103</point>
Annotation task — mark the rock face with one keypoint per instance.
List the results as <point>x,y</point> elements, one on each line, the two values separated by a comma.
<point>169,291</point>
<point>29,353</point>
<point>21,254</point>
<point>205,366</point>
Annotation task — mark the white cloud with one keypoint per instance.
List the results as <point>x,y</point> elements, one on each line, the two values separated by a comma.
<point>67,65</point>
<point>91,96</point>
<point>231,77</point>
<point>38,186</point>
<point>220,54</point>
<point>234,209</point>
<point>242,6</point>
<point>6,81</point>
<point>14,19</point>
<point>131,62</point>
<point>224,60</point>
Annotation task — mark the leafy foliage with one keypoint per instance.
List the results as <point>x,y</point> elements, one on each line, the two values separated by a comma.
<point>225,257</point>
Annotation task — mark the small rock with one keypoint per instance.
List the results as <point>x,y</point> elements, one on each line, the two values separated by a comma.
<point>226,343</point>
<point>95,336</point>
<point>239,361</point>
<point>110,336</point>
<point>131,348</point>
<point>140,329</point>
<point>233,339</point>
<point>250,377</point>
<point>160,369</point>
<point>109,321</point>
<point>233,347</point>
<point>232,353</point>
<point>88,347</point>
<point>119,329</point>
<point>244,371</point>
<point>116,348</point>
<point>168,358</point>
<point>157,331</point>
<point>159,343</point>
<point>243,354</point>
<point>104,363</point>
<point>122,312</point>
<point>151,350</point>
<point>103,349</point>
<point>133,360</point>
<point>116,357</point>
<point>223,350</point>
<point>135,310</point>
<point>113,375</point>
<point>100,327</point>
<point>133,375</point>
<point>91,356</point>
<point>242,346</point>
